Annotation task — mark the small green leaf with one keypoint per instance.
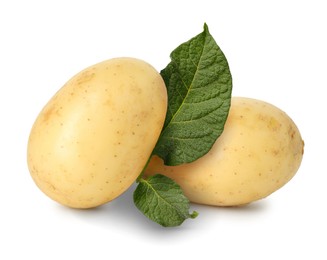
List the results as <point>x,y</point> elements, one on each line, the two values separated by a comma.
<point>199,86</point>
<point>162,200</point>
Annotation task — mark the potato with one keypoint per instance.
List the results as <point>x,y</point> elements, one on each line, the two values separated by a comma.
<point>259,151</point>
<point>94,137</point>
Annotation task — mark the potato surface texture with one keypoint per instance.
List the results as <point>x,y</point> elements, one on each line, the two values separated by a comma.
<point>259,151</point>
<point>94,137</point>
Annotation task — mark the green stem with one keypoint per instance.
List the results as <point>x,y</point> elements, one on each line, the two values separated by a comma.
<point>140,177</point>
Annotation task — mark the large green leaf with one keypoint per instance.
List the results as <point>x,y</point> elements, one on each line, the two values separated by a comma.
<point>199,86</point>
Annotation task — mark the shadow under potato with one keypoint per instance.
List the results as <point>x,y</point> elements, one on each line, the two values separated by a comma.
<point>122,212</point>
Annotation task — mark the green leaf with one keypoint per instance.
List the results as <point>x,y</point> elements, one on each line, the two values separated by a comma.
<point>162,200</point>
<point>199,86</point>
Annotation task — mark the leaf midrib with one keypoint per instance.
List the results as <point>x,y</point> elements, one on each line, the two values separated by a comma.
<point>190,87</point>
<point>163,199</point>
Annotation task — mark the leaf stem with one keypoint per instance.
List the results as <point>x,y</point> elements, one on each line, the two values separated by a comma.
<point>140,177</point>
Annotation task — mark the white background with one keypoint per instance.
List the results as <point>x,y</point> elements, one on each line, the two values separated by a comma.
<point>276,52</point>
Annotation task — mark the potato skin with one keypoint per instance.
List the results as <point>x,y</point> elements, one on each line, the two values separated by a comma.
<point>94,137</point>
<point>259,151</point>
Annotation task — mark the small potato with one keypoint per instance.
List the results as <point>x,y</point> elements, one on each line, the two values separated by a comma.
<point>259,151</point>
<point>94,137</point>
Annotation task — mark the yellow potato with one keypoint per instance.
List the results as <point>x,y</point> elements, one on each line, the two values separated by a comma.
<point>94,137</point>
<point>259,151</point>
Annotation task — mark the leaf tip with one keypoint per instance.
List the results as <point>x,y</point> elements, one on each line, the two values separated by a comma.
<point>194,214</point>
<point>205,27</point>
